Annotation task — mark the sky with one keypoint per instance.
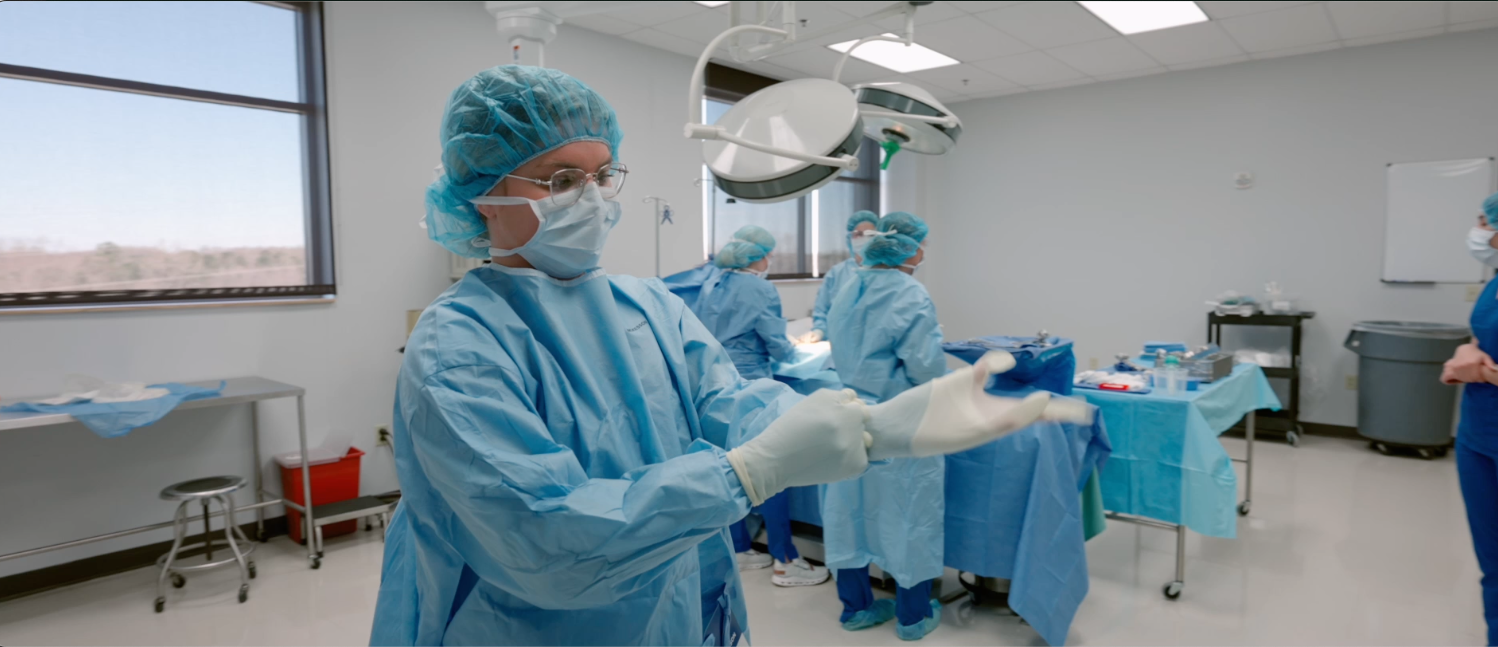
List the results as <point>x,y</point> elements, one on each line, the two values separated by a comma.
<point>80,167</point>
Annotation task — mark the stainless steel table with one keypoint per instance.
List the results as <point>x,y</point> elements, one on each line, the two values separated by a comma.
<point>239,390</point>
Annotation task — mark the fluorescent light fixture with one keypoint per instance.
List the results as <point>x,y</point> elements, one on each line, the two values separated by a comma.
<point>1138,17</point>
<point>714,5</point>
<point>897,56</point>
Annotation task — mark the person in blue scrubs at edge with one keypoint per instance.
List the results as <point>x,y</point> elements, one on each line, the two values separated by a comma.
<point>886,340</point>
<point>1477,433</point>
<point>742,310</point>
<point>573,446</point>
<point>859,224</point>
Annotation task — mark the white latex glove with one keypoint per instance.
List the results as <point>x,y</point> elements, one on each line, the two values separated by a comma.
<point>820,440</point>
<point>953,413</point>
<point>811,337</point>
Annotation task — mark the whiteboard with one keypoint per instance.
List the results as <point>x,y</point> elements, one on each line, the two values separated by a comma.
<point>1431,207</point>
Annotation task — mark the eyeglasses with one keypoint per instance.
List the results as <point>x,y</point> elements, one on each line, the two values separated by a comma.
<point>567,185</point>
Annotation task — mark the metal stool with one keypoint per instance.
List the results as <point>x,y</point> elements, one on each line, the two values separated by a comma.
<point>214,488</point>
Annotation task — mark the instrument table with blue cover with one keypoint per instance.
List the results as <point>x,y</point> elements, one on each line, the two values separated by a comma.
<point>1013,509</point>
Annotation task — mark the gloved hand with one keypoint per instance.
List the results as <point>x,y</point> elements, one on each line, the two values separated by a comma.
<point>952,413</point>
<point>820,440</point>
<point>811,337</point>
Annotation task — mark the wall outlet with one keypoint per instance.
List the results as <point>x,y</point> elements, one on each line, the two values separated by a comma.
<point>1352,383</point>
<point>1473,291</point>
<point>382,435</point>
<point>1092,363</point>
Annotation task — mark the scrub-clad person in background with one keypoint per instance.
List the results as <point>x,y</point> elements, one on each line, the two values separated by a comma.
<point>1477,434</point>
<point>859,225</point>
<point>572,446</point>
<point>742,310</point>
<point>885,340</point>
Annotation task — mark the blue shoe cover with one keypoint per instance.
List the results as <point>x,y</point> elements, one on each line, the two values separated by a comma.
<point>919,630</point>
<point>880,612</point>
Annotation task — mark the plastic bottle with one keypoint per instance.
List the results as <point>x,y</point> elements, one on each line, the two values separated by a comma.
<point>1175,376</point>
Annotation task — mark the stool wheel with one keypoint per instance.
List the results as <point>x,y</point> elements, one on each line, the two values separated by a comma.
<point>178,581</point>
<point>252,570</point>
<point>244,593</point>
<point>160,605</point>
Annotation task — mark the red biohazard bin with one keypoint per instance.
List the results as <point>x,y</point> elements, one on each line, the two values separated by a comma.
<point>332,481</point>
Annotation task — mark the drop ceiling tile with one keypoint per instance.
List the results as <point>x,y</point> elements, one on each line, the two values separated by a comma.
<point>980,7</point>
<point>946,96</point>
<point>862,7</point>
<point>1001,93</point>
<point>662,40</point>
<point>1118,76</point>
<point>1190,43</point>
<point>1063,84</point>
<point>651,14</point>
<point>1459,12</point>
<point>1364,19</point>
<point>819,61</point>
<point>1031,69</point>
<point>1212,63</point>
<point>603,24</point>
<point>764,69</point>
<point>925,16</point>
<point>821,15</point>
<point>1221,10</point>
<point>1103,57</point>
<point>1048,24</point>
<point>1473,26</point>
<point>966,39</point>
<point>699,27</point>
<point>1389,38</point>
<point>962,79</point>
<point>1296,51</point>
<point>1283,29</point>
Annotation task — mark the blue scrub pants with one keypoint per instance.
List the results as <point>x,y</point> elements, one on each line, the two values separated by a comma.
<point>912,605</point>
<point>777,513</point>
<point>1478,473</point>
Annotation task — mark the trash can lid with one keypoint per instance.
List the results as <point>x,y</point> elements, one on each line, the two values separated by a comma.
<point>1416,329</point>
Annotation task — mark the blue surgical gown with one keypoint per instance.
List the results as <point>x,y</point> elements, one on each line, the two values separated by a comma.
<point>743,313</point>
<point>688,284</point>
<point>560,448</point>
<point>886,341</point>
<point>834,278</point>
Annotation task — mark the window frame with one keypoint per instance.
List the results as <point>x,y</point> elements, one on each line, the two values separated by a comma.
<point>321,286</point>
<point>729,85</point>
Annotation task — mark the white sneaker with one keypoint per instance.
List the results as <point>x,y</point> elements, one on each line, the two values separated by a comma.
<point>799,573</point>
<point>751,560</point>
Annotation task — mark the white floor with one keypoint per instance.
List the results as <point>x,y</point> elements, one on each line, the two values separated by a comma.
<point>1344,547</point>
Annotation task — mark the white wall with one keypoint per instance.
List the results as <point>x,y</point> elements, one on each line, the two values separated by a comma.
<point>391,67</point>
<point>1107,212</point>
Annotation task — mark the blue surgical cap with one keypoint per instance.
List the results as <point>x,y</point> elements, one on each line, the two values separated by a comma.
<point>1490,209</point>
<point>756,235</point>
<point>900,238</point>
<point>738,254</point>
<point>860,217</point>
<point>494,123</point>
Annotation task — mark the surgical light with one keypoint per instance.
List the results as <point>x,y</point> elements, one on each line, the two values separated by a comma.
<point>1139,17</point>
<point>712,5</point>
<point>901,116</point>
<point>816,117</point>
<point>895,55</point>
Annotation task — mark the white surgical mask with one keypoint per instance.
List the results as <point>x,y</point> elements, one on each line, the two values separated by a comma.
<point>1479,244</point>
<point>570,240</point>
<point>759,273</point>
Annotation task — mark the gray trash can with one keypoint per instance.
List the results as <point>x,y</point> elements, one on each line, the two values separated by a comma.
<point>1401,400</point>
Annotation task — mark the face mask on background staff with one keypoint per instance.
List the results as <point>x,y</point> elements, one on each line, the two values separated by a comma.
<point>1479,244</point>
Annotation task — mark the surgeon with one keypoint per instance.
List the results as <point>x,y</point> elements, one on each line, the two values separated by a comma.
<point>859,226</point>
<point>887,341</point>
<point>573,446</point>
<point>742,310</point>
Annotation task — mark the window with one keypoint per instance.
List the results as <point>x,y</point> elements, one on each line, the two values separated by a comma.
<point>810,232</point>
<point>162,152</point>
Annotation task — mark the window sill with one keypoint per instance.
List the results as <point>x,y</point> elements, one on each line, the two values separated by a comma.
<point>168,305</point>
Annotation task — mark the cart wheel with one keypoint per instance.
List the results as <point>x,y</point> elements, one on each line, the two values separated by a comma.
<point>1244,508</point>
<point>260,536</point>
<point>1173,590</point>
<point>1382,448</point>
<point>965,611</point>
<point>178,581</point>
<point>1441,452</point>
<point>316,563</point>
<point>244,593</point>
<point>1426,454</point>
<point>368,526</point>
<point>1292,438</point>
<point>160,605</point>
<point>251,568</point>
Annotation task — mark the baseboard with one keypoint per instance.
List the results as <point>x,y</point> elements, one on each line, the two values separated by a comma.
<point>1333,431</point>
<point>88,568</point>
